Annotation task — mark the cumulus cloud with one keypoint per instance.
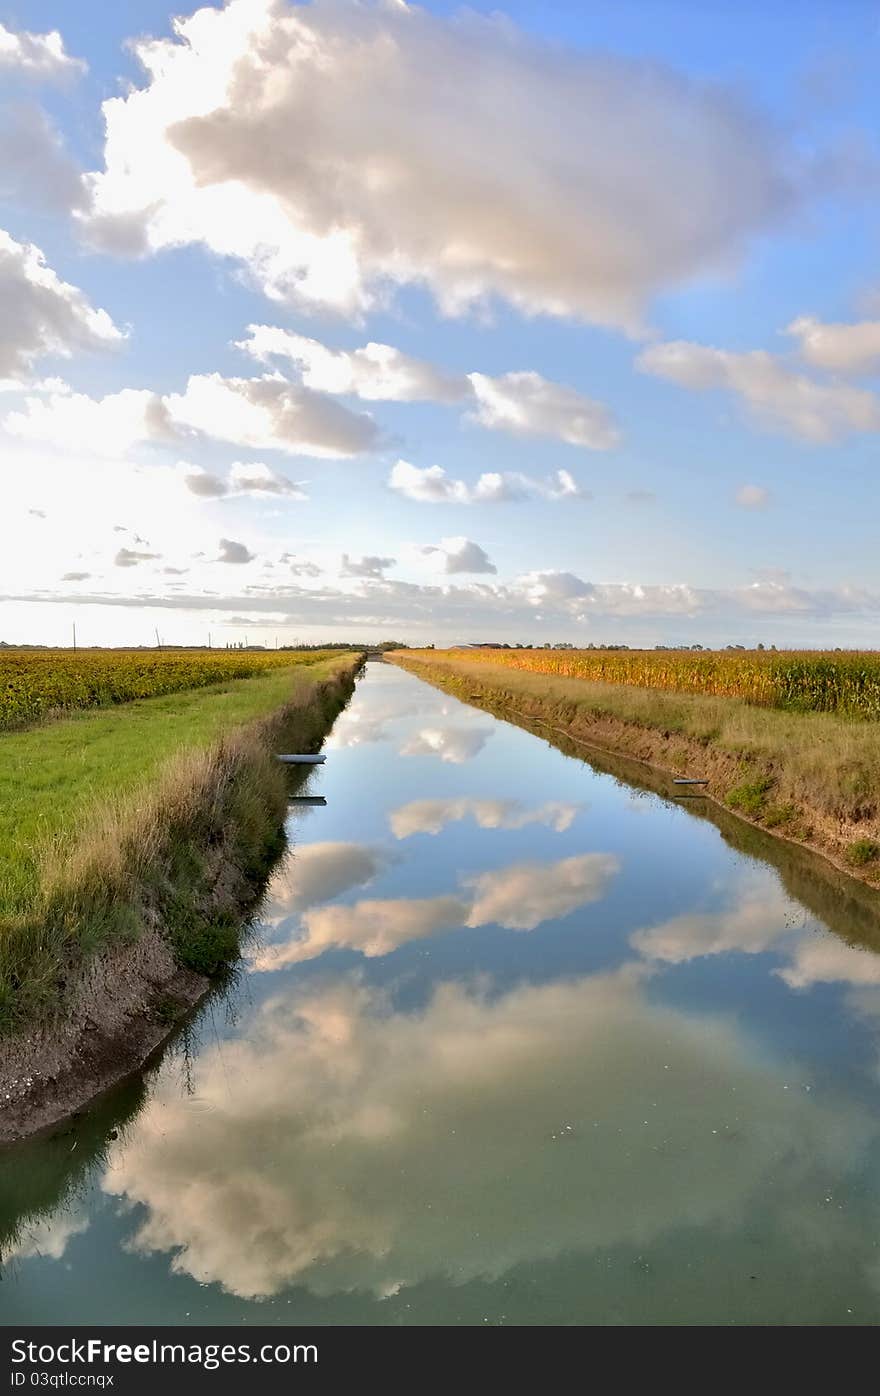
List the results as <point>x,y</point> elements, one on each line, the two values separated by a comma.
<point>519,898</point>
<point>432,816</point>
<point>79,576</point>
<point>75,422</point>
<point>773,393</point>
<point>35,169</point>
<point>270,413</point>
<point>231,551</point>
<point>432,485</point>
<point>313,1118</point>
<point>40,56</point>
<point>204,483</point>
<point>374,928</point>
<point>399,184</point>
<point>130,557</point>
<point>259,413</point>
<point>752,497</point>
<point>253,477</point>
<point>301,567</point>
<point>455,745</point>
<point>366,566</point>
<point>315,873</point>
<point>41,314</point>
<point>839,348</point>
<point>525,404</point>
<point>461,555</point>
<point>526,895</point>
<point>756,916</point>
<point>376,372</point>
<point>827,960</point>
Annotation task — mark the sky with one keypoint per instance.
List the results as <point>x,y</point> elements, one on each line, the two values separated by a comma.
<point>552,322</point>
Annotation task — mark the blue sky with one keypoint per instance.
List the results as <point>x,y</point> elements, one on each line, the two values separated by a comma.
<point>582,234</point>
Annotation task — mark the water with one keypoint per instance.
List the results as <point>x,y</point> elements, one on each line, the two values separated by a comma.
<point>517,1042</point>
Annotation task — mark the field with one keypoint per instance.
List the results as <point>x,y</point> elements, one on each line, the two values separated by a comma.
<point>797,681</point>
<point>39,683</point>
<point>109,805</point>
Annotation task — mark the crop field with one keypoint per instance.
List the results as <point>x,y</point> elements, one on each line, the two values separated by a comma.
<point>800,681</point>
<point>35,684</point>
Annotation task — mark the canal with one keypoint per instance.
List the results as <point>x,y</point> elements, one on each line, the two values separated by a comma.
<point>514,1040</point>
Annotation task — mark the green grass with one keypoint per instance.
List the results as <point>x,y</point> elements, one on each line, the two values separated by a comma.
<point>750,797</point>
<point>50,775</point>
<point>163,812</point>
<point>861,852</point>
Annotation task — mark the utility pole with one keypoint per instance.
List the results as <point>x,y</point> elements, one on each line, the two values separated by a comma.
<point>74,637</point>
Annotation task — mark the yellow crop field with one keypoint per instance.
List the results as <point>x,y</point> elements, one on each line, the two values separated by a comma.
<point>801,681</point>
<point>36,683</point>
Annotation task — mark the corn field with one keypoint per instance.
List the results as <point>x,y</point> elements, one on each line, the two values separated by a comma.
<point>801,681</point>
<point>36,683</point>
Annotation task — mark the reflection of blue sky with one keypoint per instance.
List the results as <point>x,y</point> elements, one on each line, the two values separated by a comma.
<point>465,960</point>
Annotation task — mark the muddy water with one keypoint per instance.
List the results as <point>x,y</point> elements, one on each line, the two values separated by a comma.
<point>515,1041</point>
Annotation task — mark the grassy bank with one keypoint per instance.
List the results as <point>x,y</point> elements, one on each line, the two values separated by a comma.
<point>155,816</point>
<point>813,778</point>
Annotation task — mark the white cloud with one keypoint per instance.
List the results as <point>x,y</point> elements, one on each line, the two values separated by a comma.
<point>519,898</point>
<point>255,477</point>
<point>312,1119</point>
<point>365,566</point>
<point>432,816</point>
<point>376,372</point>
<point>775,394</point>
<point>270,413</point>
<point>231,551</point>
<point>431,485</point>
<point>455,745</point>
<point>130,557</point>
<point>461,555</point>
<point>259,413</point>
<point>315,873</point>
<point>839,348</point>
<point>74,422</point>
<point>522,897</point>
<point>374,928</point>
<point>203,483</point>
<point>41,56</point>
<point>752,496</point>
<point>756,916</point>
<point>442,165</point>
<point>245,477</point>
<point>41,314</point>
<point>828,960</point>
<point>525,404</point>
